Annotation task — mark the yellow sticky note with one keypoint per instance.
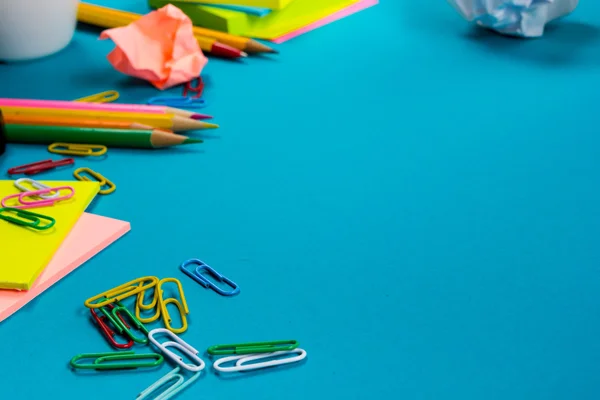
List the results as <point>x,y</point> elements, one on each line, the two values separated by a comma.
<point>298,14</point>
<point>25,252</point>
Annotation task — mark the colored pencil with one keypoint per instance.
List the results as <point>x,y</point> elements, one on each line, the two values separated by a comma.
<point>159,121</point>
<point>115,21</point>
<point>239,42</point>
<point>2,135</point>
<point>73,122</point>
<point>76,105</point>
<point>108,137</point>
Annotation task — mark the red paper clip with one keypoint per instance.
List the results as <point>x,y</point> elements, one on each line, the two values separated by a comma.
<point>109,333</point>
<point>40,166</point>
<point>198,88</point>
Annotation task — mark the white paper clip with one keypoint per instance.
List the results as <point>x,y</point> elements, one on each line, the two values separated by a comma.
<point>244,359</point>
<point>36,185</point>
<point>177,386</point>
<point>179,344</point>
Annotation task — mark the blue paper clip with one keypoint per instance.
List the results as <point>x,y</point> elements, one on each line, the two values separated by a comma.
<point>197,276</point>
<point>176,101</point>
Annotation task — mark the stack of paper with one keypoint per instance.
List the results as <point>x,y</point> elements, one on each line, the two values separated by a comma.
<point>289,19</point>
<point>32,260</point>
<point>90,235</point>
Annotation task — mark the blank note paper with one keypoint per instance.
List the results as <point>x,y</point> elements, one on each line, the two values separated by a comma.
<point>90,235</point>
<point>346,12</point>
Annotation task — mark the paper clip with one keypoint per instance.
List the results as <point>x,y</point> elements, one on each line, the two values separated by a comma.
<point>253,348</point>
<point>22,197</point>
<point>182,307</point>
<point>108,332</point>
<point>74,149</point>
<point>245,359</point>
<point>104,361</point>
<point>196,86</point>
<point>121,292</point>
<point>139,305</point>
<point>27,218</point>
<point>118,319</point>
<point>197,276</point>
<point>177,101</point>
<point>39,166</point>
<point>102,97</point>
<point>170,391</point>
<point>36,185</point>
<point>103,181</point>
<point>180,345</point>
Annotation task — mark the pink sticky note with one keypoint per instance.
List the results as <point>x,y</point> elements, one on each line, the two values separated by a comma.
<point>343,13</point>
<point>91,234</point>
<point>160,47</point>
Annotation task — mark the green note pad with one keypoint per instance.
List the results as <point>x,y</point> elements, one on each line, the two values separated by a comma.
<point>218,19</point>
<point>279,22</point>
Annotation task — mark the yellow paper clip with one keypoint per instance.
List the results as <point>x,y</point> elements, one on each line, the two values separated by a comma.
<point>102,97</point>
<point>182,307</point>
<point>139,305</point>
<point>103,181</point>
<point>73,149</point>
<point>121,292</point>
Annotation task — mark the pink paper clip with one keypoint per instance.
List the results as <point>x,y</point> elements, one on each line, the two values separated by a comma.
<point>196,88</point>
<point>22,197</point>
<point>40,166</point>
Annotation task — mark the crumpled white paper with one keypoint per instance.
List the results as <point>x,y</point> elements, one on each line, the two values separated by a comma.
<point>526,18</point>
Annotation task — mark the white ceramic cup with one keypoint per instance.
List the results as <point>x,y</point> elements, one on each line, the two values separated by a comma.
<point>35,28</point>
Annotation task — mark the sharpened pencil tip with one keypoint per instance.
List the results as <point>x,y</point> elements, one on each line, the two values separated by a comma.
<point>200,116</point>
<point>208,125</point>
<point>257,47</point>
<point>243,54</point>
<point>192,141</point>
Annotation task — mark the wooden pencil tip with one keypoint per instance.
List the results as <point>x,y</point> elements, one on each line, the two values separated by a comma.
<point>187,124</point>
<point>243,54</point>
<point>257,47</point>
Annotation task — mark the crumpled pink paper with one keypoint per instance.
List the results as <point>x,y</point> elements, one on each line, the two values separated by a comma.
<point>160,47</point>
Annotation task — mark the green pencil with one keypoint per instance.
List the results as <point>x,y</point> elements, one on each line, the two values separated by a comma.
<point>108,137</point>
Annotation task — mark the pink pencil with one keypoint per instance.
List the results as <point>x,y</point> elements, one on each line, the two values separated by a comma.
<point>73,105</point>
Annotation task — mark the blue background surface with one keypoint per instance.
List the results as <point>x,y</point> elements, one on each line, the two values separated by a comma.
<point>413,199</point>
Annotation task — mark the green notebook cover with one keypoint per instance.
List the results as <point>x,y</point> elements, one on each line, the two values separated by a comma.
<point>218,19</point>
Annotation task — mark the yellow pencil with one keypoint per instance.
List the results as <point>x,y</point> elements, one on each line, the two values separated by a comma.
<point>160,121</point>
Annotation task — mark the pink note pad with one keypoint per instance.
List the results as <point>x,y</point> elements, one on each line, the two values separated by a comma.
<point>346,12</point>
<point>90,235</point>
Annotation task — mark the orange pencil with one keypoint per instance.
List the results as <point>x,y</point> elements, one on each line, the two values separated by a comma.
<point>161,121</point>
<point>74,122</point>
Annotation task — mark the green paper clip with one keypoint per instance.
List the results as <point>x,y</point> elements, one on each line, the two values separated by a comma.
<point>134,323</point>
<point>253,348</point>
<point>27,218</point>
<point>106,361</point>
